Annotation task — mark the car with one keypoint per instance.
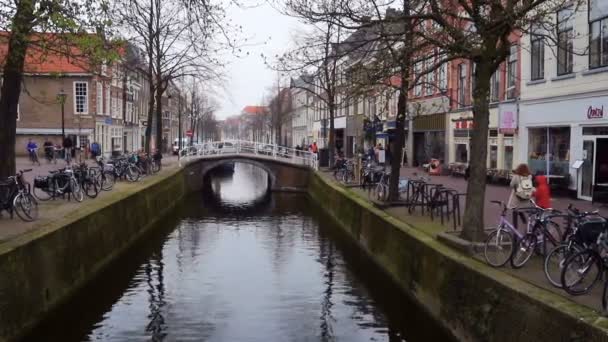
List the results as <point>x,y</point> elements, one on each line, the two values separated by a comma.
<point>227,147</point>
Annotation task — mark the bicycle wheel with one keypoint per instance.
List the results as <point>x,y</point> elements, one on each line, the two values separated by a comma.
<point>133,173</point>
<point>338,175</point>
<point>26,207</point>
<point>155,166</point>
<point>523,250</point>
<point>498,247</point>
<point>581,272</point>
<point>554,262</point>
<point>76,190</point>
<point>107,180</point>
<point>90,187</point>
<point>43,194</point>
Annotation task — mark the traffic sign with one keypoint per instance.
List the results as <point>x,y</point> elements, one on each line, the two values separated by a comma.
<point>189,133</point>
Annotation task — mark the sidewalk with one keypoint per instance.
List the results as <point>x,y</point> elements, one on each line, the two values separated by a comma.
<point>532,272</point>
<point>52,210</point>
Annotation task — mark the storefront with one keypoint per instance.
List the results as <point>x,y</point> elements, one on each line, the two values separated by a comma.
<point>565,140</point>
<point>429,138</point>
<point>501,137</point>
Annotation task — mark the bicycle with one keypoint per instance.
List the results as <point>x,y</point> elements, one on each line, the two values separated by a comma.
<point>500,243</point>
<point>541,231</point>
<point>588,264</point>
<point>17,197</point>
<point>33,155</point>
<point>104,173</point>
<point>59,183</point>
<point>88,181</point>
<point>573,242</point>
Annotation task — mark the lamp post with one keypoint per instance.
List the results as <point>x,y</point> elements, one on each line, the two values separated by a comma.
<point>61,97</point>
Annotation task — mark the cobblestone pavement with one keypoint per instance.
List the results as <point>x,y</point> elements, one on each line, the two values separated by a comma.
<point>52,210</point>
<point>533,271</point>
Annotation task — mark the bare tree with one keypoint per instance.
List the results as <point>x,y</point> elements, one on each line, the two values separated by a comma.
<point>179,39</point>
<point>72,25</point>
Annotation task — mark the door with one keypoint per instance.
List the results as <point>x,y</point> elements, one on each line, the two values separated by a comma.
<point>601,163</point>
<point>587,169</point>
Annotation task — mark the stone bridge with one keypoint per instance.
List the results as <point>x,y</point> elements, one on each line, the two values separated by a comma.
<point>284,174</point>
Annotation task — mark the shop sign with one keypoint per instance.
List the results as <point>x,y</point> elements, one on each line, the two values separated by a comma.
<point>595,112</point>
<point>508,142</point>
<point>108,121</point>
<point>507,116</point>
<point>463,124</point>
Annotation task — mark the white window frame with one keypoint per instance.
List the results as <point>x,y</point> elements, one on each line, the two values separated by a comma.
<point>99,103</point>
<point>85,110</point>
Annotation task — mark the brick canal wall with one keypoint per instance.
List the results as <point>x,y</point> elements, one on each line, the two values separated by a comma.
<point>41,269</point>
<point>472,300</point>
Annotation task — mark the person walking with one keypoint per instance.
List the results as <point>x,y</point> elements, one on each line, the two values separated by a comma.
<point>522,190</point>
<point>67,149</point>
<point>95,150</point>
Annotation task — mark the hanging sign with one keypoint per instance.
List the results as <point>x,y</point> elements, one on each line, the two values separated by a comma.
<point>507,116</point>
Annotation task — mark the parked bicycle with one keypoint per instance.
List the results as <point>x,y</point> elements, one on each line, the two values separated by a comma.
<point>16,197</point>
<point>104,173</point>
<point>60,183</point>
<point>88,180</point>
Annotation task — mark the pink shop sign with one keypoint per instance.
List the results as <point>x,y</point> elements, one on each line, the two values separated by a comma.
<point>595,112</point>
<point>507,116</point>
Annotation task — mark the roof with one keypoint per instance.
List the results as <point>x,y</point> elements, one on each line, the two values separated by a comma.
<point>255,110</point>
<point>56,57</point>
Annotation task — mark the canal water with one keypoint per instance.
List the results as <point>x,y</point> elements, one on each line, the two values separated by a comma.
<point>236,263</point>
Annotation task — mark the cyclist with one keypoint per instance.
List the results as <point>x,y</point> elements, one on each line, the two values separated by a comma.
<point>32,149</point>
<point>49,150</point>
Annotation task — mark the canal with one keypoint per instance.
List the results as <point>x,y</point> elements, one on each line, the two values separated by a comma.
<point>236,263</point>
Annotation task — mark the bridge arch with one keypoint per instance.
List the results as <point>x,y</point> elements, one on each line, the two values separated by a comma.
<point>272,177</point>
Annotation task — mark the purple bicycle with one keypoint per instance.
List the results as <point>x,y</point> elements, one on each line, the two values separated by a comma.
<point>502,241</point>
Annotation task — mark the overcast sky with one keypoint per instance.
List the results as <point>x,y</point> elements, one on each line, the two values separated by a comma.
<point>247,77</point>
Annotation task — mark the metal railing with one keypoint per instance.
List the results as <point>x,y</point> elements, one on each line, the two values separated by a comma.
<point>242,147</point>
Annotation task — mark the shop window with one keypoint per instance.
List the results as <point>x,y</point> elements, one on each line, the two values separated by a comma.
<point>549,150</point>
<point>602,130</point>
<point>508,158</point>
<point>462,155</point>
<point>565,34</point>
<point>493,157</point>
<point>598,33</point>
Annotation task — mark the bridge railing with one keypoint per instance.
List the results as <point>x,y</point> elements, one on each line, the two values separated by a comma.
<point>286,154</point>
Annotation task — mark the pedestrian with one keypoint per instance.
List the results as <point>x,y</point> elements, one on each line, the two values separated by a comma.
<point>467,173</point>
<point>32,151</point>
<point>542,194</point>
<point>522,187</point>
<point>67,149</point>
<point>315,149</point>
<point>157,157</point>
<point>95,149</point>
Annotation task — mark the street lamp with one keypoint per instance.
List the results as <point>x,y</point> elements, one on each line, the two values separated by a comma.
<point>61,97</point>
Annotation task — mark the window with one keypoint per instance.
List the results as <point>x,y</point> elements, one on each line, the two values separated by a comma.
<point>443,79</point>
<point>99,102</point>
<point>81,99</point>
<point>564,41</point>
<point>508,158</point>
<point>598,33</point>
<point>493,157</point>
<point>495,86</point>
<point>537,58</point>
<point>418,79</point>
<point>511,72</point>
<point>549,150</point>
<point>108,101</point>
<point>462,79</point>
<point>430,85</point>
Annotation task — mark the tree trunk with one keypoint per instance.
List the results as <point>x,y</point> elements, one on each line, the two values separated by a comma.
<point>150,118</point>
<point>11,85</point>
<point>397,145</point>
<point>331,145</point>
<point>159,116</point>
<point>473,223</point>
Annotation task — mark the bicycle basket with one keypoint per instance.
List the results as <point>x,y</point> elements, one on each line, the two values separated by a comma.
<point>590,228</point>
<point>41,182</point>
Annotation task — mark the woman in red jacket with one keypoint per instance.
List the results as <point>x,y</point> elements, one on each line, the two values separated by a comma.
<point>542,195</point>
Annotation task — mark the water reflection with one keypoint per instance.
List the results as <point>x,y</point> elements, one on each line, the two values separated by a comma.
<point>239,264</point>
